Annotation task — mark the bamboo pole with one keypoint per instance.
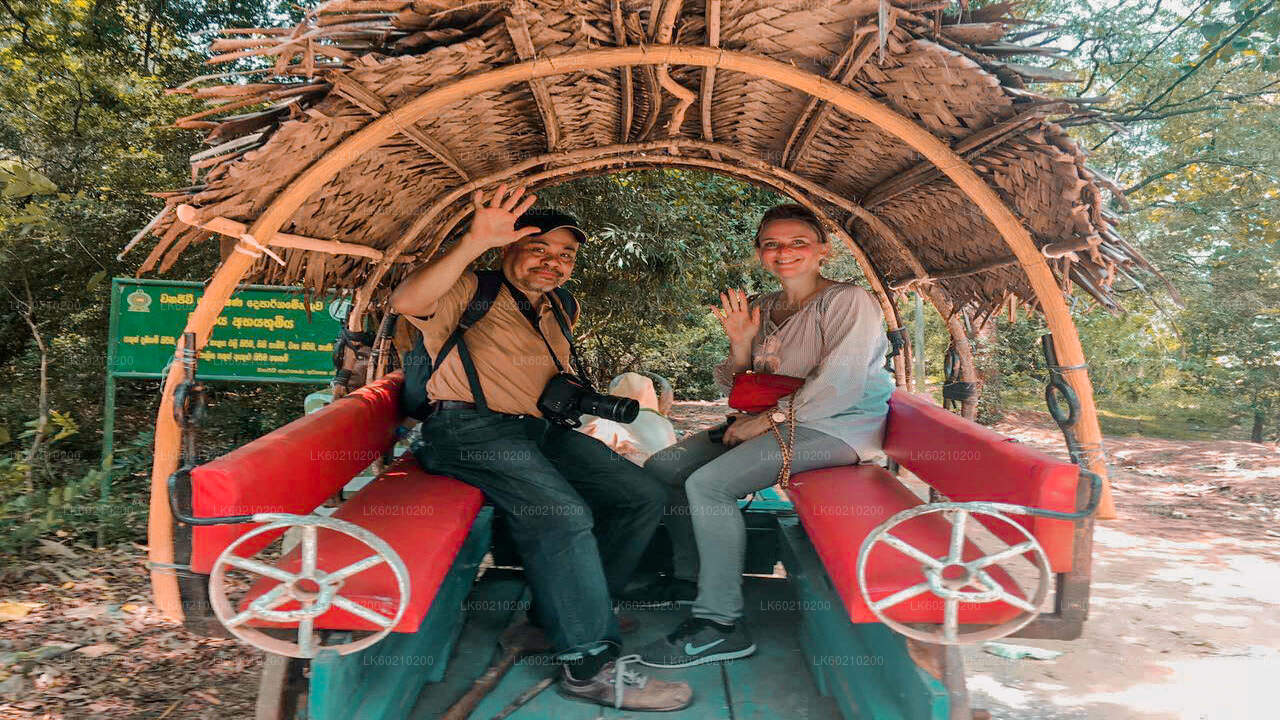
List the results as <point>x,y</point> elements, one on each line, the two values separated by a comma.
<point>749,168</point>
<point>941,303</point>
<point>168,437</point>
<point>232,228</point>
<point>799,188</point>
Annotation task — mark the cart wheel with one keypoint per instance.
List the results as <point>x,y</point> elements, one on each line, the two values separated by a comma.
<point>315,590</point>
<point>955,580</point>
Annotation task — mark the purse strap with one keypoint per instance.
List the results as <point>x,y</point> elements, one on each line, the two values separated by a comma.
<point>787,445</point>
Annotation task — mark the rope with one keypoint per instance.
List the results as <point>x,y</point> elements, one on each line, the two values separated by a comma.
<point>897,342</point>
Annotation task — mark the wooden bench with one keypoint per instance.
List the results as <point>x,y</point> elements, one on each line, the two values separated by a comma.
<point>853,657</point>
<point>437,526</point>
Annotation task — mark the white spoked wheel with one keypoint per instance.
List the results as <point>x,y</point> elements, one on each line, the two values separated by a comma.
<point>954,580</point>
<point>315,590</point>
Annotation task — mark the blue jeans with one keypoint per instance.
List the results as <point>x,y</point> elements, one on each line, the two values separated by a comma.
<point>580,514</point>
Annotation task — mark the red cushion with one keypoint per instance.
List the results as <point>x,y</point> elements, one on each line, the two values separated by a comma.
<point>424,518</point>
<point>840,506</point>
<point>293,469</point>
<point>966,461</point>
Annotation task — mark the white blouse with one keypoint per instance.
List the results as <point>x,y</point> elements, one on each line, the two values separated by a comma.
<point>837,342</point>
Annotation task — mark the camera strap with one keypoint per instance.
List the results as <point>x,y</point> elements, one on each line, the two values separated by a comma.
<point>530,314</point>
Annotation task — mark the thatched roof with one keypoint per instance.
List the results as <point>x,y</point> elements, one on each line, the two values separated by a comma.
<point>953,72</point>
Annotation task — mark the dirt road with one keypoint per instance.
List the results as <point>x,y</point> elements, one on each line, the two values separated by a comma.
<point>1185,616</point>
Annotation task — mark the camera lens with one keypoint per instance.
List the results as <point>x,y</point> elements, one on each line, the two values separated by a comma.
<point>610,407</point>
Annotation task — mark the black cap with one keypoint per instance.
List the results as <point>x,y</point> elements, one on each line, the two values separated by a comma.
<point>548,220</point>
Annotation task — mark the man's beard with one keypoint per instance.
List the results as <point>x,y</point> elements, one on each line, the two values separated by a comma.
<point>540,283</point>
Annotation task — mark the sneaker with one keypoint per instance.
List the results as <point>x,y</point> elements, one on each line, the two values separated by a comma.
<point>697,641</point>
<point>618,686</point>
<point>663,592</point>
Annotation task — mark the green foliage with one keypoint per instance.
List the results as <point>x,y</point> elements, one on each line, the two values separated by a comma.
<point>82,140</point>
<point>1192,103</point>
<point>664,244</point>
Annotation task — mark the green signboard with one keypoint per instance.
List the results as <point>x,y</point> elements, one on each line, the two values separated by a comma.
<point>264,334</point>
<point>270,334</point>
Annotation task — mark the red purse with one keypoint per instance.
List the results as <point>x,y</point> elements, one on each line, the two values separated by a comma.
<point>755,392</point>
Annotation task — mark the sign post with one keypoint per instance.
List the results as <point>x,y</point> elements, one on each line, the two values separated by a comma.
<point>265,334</point>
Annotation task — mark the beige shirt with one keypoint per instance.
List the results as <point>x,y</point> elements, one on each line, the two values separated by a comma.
<point>836,342</point>
<point>511,360</point>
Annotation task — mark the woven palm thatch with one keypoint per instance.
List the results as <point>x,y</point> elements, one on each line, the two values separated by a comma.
<point>946,68</point>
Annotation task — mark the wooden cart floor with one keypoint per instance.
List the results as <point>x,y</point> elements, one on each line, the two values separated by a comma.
<point>773,683</point>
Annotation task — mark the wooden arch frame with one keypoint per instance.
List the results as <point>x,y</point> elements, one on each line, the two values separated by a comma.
<point>326,167</point>
<point>647,162</point>
<point>632,156</point>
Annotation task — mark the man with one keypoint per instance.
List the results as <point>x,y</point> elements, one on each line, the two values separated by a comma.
<point>580,514</point>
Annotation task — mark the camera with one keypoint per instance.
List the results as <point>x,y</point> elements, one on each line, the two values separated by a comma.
<point>567,397</point>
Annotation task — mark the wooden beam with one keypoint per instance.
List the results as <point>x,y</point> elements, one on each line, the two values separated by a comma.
<point>518,28</point>
<point>628,99</point>
<point>231,228</point>
<point>684,96</point>
<point>709,73</point>
<point>743,166</point>
<point>968,148</point>
<point>816,111</point>
<point>964,271</point>
<point>372,103</point>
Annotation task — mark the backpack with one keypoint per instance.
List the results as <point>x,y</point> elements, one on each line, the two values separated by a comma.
<point>418,363</point>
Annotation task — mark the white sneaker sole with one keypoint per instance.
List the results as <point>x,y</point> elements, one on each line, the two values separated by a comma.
<point>713,657</point>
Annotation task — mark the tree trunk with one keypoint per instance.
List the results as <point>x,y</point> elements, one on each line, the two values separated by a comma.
<point>986,358</point>
<point>1256,435</point>
<point>42,404</point>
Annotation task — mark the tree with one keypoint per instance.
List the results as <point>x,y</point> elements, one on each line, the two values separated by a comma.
<point>1191,114</point>
<point>82,108</point>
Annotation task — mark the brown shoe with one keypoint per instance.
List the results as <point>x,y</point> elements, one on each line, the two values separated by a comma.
<point>618,686</point>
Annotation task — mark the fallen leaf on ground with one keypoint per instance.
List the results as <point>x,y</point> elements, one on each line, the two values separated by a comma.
<point>98,650</point>
<point>207,696</point>
<point>16,610</point>
<point>49,547</point>
<point>82,612</point>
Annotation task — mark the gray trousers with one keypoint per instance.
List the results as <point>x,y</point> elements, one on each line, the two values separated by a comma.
<point>706,479</point>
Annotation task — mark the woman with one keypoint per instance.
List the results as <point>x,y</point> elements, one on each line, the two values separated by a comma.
<point>829,333</point>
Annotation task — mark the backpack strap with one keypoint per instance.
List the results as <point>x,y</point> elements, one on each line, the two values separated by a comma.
<point>568,302</point>
<point>488,283</point>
